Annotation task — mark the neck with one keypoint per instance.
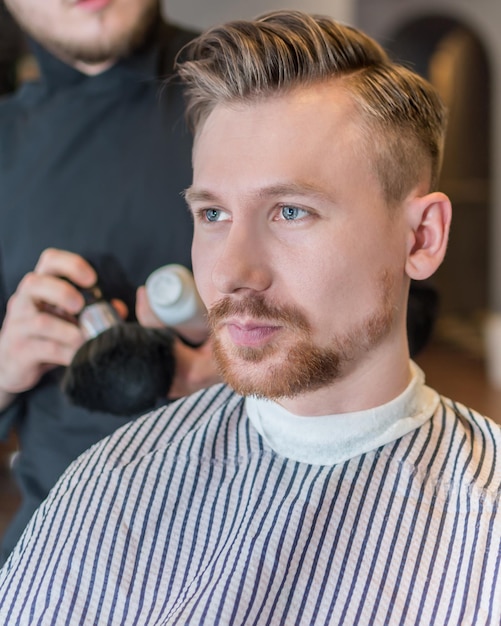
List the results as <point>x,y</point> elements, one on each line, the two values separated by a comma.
<point>332,439</point>
<point>375,380</point>
<point>90,69</point>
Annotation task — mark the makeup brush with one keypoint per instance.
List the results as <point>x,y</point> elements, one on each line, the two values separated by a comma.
<point>124,368</point>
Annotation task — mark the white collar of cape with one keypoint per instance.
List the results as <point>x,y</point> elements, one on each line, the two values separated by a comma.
<point>331,439</point>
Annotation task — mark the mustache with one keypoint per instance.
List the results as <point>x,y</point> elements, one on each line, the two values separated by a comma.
<point>257,308</point>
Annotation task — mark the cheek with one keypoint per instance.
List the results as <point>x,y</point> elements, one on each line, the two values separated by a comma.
<point>336,288</point>
<point>31,15</point>
<point>202,271</point>
<point>129,12</point>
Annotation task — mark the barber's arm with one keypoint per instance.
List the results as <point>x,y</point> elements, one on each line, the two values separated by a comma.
<point>38,332</point>
<point>195,367</point>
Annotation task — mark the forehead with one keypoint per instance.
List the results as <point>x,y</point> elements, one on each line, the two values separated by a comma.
<point>296,108</point>
<point>311,134</point>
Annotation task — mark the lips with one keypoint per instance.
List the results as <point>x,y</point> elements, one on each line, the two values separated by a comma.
<point>251,334</point>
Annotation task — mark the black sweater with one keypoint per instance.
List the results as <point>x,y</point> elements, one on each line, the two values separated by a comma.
<point>94,165</point>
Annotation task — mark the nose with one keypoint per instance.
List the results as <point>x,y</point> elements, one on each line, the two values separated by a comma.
<point>243,263</point>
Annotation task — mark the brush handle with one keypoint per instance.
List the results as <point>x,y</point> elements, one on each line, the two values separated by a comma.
<point>97,315</point>
<point>174,299</point>
<point>96,318</point>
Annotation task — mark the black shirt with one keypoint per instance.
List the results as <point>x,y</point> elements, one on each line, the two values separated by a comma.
<point>94,165</point>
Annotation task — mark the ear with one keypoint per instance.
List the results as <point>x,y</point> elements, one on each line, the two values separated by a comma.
<point>429,218</point>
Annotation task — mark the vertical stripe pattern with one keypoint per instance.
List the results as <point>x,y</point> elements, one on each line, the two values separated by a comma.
<point>187,517</point>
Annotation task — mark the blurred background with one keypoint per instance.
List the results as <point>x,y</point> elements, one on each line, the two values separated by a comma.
<point>456,45</point>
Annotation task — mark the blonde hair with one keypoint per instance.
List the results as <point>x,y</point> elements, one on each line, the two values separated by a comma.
<point>402,117</point>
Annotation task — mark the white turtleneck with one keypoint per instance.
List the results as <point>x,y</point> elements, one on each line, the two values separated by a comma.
<point>331,439</point>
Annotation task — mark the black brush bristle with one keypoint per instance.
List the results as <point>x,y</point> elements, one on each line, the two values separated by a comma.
<point>125,370</point>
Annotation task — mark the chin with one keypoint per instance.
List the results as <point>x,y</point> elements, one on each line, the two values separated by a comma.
<point>108,36</point>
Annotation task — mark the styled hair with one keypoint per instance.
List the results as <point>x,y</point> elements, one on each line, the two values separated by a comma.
<point>401,115</point>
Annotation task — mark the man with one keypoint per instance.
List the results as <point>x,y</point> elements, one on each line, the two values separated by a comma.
<point>93,158</point>
<point>326,484</point>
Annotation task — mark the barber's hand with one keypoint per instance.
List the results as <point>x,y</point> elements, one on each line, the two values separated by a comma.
<point>144,312</point>
<point>195,367</point>
<point>39,330</point>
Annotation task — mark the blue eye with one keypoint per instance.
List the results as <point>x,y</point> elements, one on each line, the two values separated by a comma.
<point>212,215</point>
<point>291,213</point>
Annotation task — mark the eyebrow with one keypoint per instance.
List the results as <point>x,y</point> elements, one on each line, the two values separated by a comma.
<point>192,194</point>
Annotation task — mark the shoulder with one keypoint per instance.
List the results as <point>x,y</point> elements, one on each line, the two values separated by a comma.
<point>127,453</point>
<point>476,427</point>
<point>159,430</point>
<point>19,103</point>
<point>12,115</point>
<point>9,108</point>
<point>127,461</point>
<point>471,443</point>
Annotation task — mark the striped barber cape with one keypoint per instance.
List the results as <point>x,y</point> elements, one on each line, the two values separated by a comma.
<point>186,516</point>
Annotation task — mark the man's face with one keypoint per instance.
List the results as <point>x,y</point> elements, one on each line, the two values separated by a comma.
<point>91,31</point>
<point>296,254</point>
